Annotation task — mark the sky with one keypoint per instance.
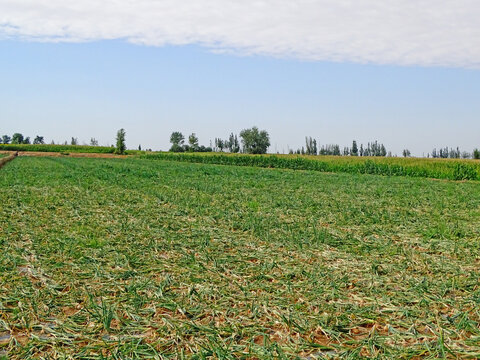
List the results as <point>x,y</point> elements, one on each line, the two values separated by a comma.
<point>403,72</point>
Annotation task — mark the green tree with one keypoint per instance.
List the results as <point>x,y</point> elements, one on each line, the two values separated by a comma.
<point>26,140</point>
<point>232,144</point>
<point>476,154</point>
<point>6,139</point>
<point>406,153</point>
<point>354,150</point>
<point>38,140</point>
<point>17,138</point>
<point>311,145</point>
<point>93,142</point>
<point>193,142</point>
<point>220,144</point>
<point>121,146</point>
<point>177,140</point>
<point>74,141</point>
<point>255,141</point>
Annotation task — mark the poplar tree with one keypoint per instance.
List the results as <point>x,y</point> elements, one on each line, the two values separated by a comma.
<point>121,147</point>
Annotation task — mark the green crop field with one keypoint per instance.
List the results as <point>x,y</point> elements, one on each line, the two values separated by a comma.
<point>453,169</point>
<point>63,148</point>
<point>142,258</point>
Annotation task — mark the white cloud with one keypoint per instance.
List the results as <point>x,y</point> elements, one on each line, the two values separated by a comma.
<point>402,32</point>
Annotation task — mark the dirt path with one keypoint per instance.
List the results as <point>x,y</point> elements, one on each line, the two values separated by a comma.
<point>5,160</point>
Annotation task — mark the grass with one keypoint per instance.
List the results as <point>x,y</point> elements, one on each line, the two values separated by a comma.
<point>452,169</point>
<point>133,258</point>
<point>63,148</point>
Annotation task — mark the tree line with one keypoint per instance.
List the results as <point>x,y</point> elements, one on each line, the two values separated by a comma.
<point>311,148</point>
<point>255,141</point>
<point>375,148</point>
<point>18,138</point>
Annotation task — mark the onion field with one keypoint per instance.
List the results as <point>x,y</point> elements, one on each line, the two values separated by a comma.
<point>142,258</point>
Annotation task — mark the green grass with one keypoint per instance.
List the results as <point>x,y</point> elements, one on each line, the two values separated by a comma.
<point>64,148</point>
<point>452,169</point>
<point>133,258</point>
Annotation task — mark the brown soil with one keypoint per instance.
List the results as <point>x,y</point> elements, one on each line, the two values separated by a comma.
<point>4,160</point>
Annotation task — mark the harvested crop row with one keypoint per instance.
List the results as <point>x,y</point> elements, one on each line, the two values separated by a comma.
<point>6,159</point>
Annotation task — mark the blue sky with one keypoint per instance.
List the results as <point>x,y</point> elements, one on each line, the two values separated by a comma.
<point>63,77</point>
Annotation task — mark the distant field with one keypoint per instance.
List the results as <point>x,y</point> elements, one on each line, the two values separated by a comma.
<point>134,258</point>
<point>452,169</point>
<point>61,148</point>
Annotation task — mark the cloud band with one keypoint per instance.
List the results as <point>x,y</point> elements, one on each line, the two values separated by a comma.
<point>400,32</point>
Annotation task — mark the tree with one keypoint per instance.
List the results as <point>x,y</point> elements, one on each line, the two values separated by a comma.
<point>38,140</point>
<point>354,151</point>
<point>74,141</point>
<point>311,145</point>
<point>17,138</point>
<point>93,142</point>
<point>476,154</point>
<point>26,140</point>
<point>255,141</point>
<point>383,150</point>
<point>220,145</point>
<point>6,139</point>
<point>193,142</point>
<point>406,153</point>
<point>232,144</point>
<point>121,147</point>
<point>177,140</point>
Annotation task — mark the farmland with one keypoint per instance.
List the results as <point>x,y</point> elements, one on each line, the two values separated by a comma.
<point>61,148</point>
<point>145,258</point>
<point>453,169</point>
